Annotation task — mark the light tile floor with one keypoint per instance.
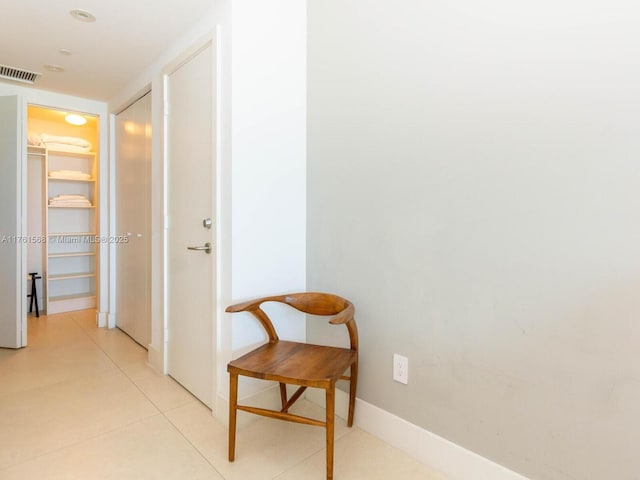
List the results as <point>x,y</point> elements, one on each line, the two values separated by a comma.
<point>81,403</point>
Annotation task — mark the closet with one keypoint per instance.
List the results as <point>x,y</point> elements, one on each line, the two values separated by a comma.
<point>133,220</point>
<point>62,208</point>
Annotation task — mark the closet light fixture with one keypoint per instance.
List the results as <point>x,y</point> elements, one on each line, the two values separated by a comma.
<point>75,119</point>
<point>83,15</point>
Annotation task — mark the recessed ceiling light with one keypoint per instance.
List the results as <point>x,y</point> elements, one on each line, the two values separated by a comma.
<point>83,15</point>
<point>65,51</point>
<point>75,119</point>
<point>54,68</point>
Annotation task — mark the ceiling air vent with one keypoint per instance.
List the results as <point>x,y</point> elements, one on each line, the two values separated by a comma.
<point>18,75</point>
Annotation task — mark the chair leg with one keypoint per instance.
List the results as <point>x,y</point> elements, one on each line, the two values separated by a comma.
<point>233,404</point>
<point>283,396</point>
<point>352,392</point>
<point>330,407</point>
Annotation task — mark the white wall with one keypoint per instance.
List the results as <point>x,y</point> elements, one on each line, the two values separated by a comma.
<point>268,70</point>
<point>474,189</point>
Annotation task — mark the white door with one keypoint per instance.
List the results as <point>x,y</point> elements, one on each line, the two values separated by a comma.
<point>190,127</point>
<point>133,210</point>
<point>13,322</point>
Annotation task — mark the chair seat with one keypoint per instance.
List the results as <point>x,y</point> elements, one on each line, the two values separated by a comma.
<point>295,363</point>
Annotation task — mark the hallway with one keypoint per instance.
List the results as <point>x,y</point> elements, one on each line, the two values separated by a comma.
<point>81,403</point>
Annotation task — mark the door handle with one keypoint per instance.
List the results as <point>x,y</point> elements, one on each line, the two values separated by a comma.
<point>206,248</point>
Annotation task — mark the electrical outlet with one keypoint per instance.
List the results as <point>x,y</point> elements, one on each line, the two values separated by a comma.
<point>400,368</point>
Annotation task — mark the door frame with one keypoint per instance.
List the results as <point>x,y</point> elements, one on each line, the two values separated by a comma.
<point>30,96</point>
<point>22,193</point>
<point>20,219</point>
<point>98,110</point>
<point>209,40</point>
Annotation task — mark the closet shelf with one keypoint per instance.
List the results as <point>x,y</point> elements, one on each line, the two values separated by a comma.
<point>37,151</point>
<point>71,234</point>
<point>63,298</point>
<point>78,180</point>
<point>72,254</point>
<point>74,206</point>
<point>87,155</point>
<point>68,276</point>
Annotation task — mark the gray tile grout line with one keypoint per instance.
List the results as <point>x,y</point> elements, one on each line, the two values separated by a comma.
<point>74,444</point>
<point>177,429</point>
<point>70,445</point>
<point>349,431</point>
<point>182,434</point>
<point>160,412</point>
<point>61,381</point>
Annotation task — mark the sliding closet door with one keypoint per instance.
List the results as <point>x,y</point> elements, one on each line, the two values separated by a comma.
<point>133,212</point>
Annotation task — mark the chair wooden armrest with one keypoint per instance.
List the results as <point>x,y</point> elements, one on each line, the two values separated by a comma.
<point>341,311</point>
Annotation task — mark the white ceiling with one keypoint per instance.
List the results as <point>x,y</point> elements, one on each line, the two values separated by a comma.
<point>106,54</point>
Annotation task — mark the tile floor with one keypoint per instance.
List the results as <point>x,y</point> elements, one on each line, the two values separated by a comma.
<point>80,403</point>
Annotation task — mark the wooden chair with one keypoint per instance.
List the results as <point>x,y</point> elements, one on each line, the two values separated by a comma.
<point>302,364</point>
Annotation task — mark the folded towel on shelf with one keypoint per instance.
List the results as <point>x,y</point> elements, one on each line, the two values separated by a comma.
<point>67,144</point>
<point>69,201</point>
<point>33,139</point>
<point>70,196</point>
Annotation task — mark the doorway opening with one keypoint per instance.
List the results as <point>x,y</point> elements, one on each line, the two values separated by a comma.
<point>62,180</point>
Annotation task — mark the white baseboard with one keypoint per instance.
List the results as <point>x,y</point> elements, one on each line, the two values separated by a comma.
<point>155,359</point>
<point>101,319</point>
<point>456,462</point>
<point>70,305</point>
<point>111,320</point>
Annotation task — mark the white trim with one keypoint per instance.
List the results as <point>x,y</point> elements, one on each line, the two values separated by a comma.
<point>22,221</point>
<point>456,462</point>
<point>156,358</point>
<point>111,320</point>
<point>205,41</point>
<point>111,202</point>
<point>70,304</point>
<point>102,319</point>
<point>104,208</point>
<point>224,201</point>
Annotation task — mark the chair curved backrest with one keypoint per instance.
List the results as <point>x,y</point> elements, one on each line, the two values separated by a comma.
<point>339,309</point>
